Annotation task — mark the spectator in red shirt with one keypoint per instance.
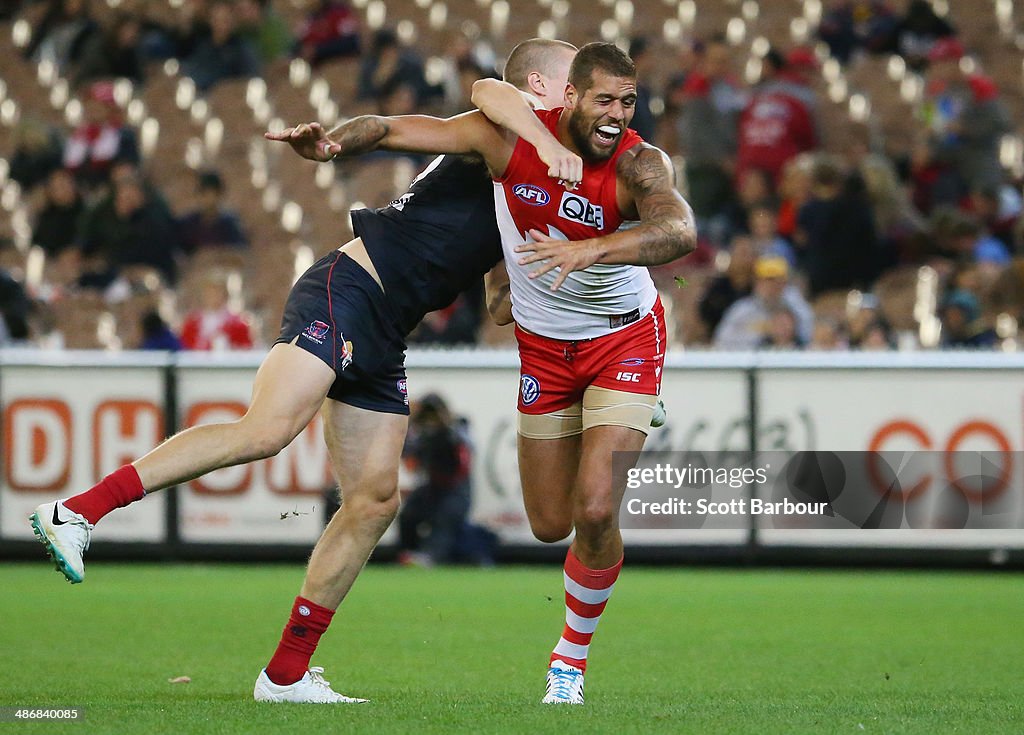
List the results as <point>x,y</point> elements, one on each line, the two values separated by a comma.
<point>215,325</point>
<point>780,121</point>
<point>101,140</point>
<point>330,31</point>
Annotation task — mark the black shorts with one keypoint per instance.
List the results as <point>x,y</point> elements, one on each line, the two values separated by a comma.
<point>337,312</point>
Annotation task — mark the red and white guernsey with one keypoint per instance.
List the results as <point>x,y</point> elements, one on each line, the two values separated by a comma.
<point>592,302</point>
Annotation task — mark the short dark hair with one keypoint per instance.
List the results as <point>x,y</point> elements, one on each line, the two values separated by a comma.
<point>606,57</point>
<point>774,59</point>
<point>827,171</point>
<point>384,38</point>
<point>535,54</point>
<point>210,180</point>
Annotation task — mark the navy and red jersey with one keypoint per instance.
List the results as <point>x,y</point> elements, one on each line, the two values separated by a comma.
<point>436,240</point>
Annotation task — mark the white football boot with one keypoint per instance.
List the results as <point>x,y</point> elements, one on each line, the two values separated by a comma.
<point>311,688</point>
<point>565,684</point>
<point>660,414</point>
<point>65,534</point>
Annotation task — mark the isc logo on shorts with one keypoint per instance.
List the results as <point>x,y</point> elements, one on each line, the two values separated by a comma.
<point>529,389</point>
<point>578,209</point>
<point>530,194</point>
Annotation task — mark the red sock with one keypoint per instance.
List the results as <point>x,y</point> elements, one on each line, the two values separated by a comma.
<point>306,624</point>
<point>116,490</point>
<point>586,594</point>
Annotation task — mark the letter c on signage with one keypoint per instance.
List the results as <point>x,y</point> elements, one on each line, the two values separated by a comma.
<point>917,433</point>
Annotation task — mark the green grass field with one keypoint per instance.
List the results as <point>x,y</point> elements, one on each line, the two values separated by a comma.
<point>464,651</point>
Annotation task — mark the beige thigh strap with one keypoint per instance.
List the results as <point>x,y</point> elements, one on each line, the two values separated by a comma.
<point>606,407</point>
<point>554,425</point>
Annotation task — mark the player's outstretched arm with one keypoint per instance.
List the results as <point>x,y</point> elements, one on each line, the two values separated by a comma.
<point>666,230</point>
<point>409,133</point>
<point>470,132</point>
<point>507,106</point>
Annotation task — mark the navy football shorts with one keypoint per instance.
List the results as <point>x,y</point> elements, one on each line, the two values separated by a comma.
<point>337,312</point>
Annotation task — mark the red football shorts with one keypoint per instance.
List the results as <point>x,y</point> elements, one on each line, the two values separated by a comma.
<point>554,373</point>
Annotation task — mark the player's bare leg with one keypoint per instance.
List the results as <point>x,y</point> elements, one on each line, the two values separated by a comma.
<point>547,471</point>
<point>289,389</point>
<point>365,448</point>
<point>597,495</point>
<point>281,407</point>
<point>594,559</point>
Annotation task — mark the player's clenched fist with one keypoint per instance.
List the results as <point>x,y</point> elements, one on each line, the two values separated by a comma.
<point>563,164</point>
<point>308,140</point>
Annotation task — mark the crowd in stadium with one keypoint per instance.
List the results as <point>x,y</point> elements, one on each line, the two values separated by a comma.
<point>805,244</point>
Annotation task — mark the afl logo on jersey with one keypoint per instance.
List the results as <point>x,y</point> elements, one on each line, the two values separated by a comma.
<point>530,194</point>
<point>529,389</point>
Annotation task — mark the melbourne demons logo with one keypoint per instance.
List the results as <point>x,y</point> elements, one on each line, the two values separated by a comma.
<point>529,389</point>
<point>578,209</point>
<point>403,388</point>
<point>530,194</point>
<point>316,331</point>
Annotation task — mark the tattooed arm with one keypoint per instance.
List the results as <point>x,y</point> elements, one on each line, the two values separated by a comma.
<point>470,132</point>
<point>665,232</point>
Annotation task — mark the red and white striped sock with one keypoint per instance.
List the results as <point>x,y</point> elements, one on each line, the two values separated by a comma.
<point>586,593</point>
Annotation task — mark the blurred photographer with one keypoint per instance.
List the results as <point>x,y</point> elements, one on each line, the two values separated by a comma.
<point>434,514</point>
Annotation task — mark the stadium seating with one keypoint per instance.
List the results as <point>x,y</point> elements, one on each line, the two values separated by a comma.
<point>291,208</point>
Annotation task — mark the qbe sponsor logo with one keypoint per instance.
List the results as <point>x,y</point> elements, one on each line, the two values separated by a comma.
<point>579,209</point>
<point>529,389</point>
